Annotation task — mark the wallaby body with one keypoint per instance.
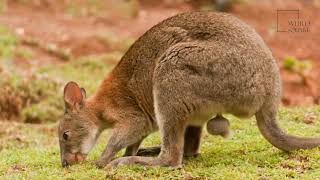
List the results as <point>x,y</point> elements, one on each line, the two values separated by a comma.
<point>174,78</point>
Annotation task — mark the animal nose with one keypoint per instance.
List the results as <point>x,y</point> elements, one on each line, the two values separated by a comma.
<point>65,163</point>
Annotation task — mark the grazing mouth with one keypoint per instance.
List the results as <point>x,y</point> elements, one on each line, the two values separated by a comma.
<point>73,159</point>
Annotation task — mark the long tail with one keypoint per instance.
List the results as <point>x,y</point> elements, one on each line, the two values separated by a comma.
<point>266,119</point>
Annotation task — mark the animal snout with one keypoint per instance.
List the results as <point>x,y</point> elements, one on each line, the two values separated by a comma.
<point>70,159</point>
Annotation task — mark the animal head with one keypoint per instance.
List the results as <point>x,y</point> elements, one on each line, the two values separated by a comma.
<point>77,131</point>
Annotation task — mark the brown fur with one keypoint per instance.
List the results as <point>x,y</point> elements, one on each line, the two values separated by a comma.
<point>174,78</point>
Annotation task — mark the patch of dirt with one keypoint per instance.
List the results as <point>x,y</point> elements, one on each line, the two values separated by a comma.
<point>300,163</point>
<point>310,118</point>
<point>299,157</point>
<point>16,168</point>
<point>48,22</point>
<point>301,168</point>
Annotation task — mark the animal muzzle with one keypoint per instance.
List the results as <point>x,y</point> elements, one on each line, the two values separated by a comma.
<point>72,158</point>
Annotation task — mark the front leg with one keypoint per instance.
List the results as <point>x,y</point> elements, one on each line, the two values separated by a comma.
<point>114,145</point>
<point>120,138</point>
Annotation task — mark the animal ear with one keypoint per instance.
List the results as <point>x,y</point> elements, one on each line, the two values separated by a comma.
<point>74,96</point>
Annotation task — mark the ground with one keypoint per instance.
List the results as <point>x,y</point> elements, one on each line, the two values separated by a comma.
<point>31,152</point>
<point>46,43</point>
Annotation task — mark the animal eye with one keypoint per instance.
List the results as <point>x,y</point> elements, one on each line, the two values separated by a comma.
<point>65,135</point>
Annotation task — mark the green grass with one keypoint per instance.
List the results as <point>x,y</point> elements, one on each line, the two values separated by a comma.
<point>9,48</point>
<point>31,152</point>
<point>293,64</point>
<point>8,43</point>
